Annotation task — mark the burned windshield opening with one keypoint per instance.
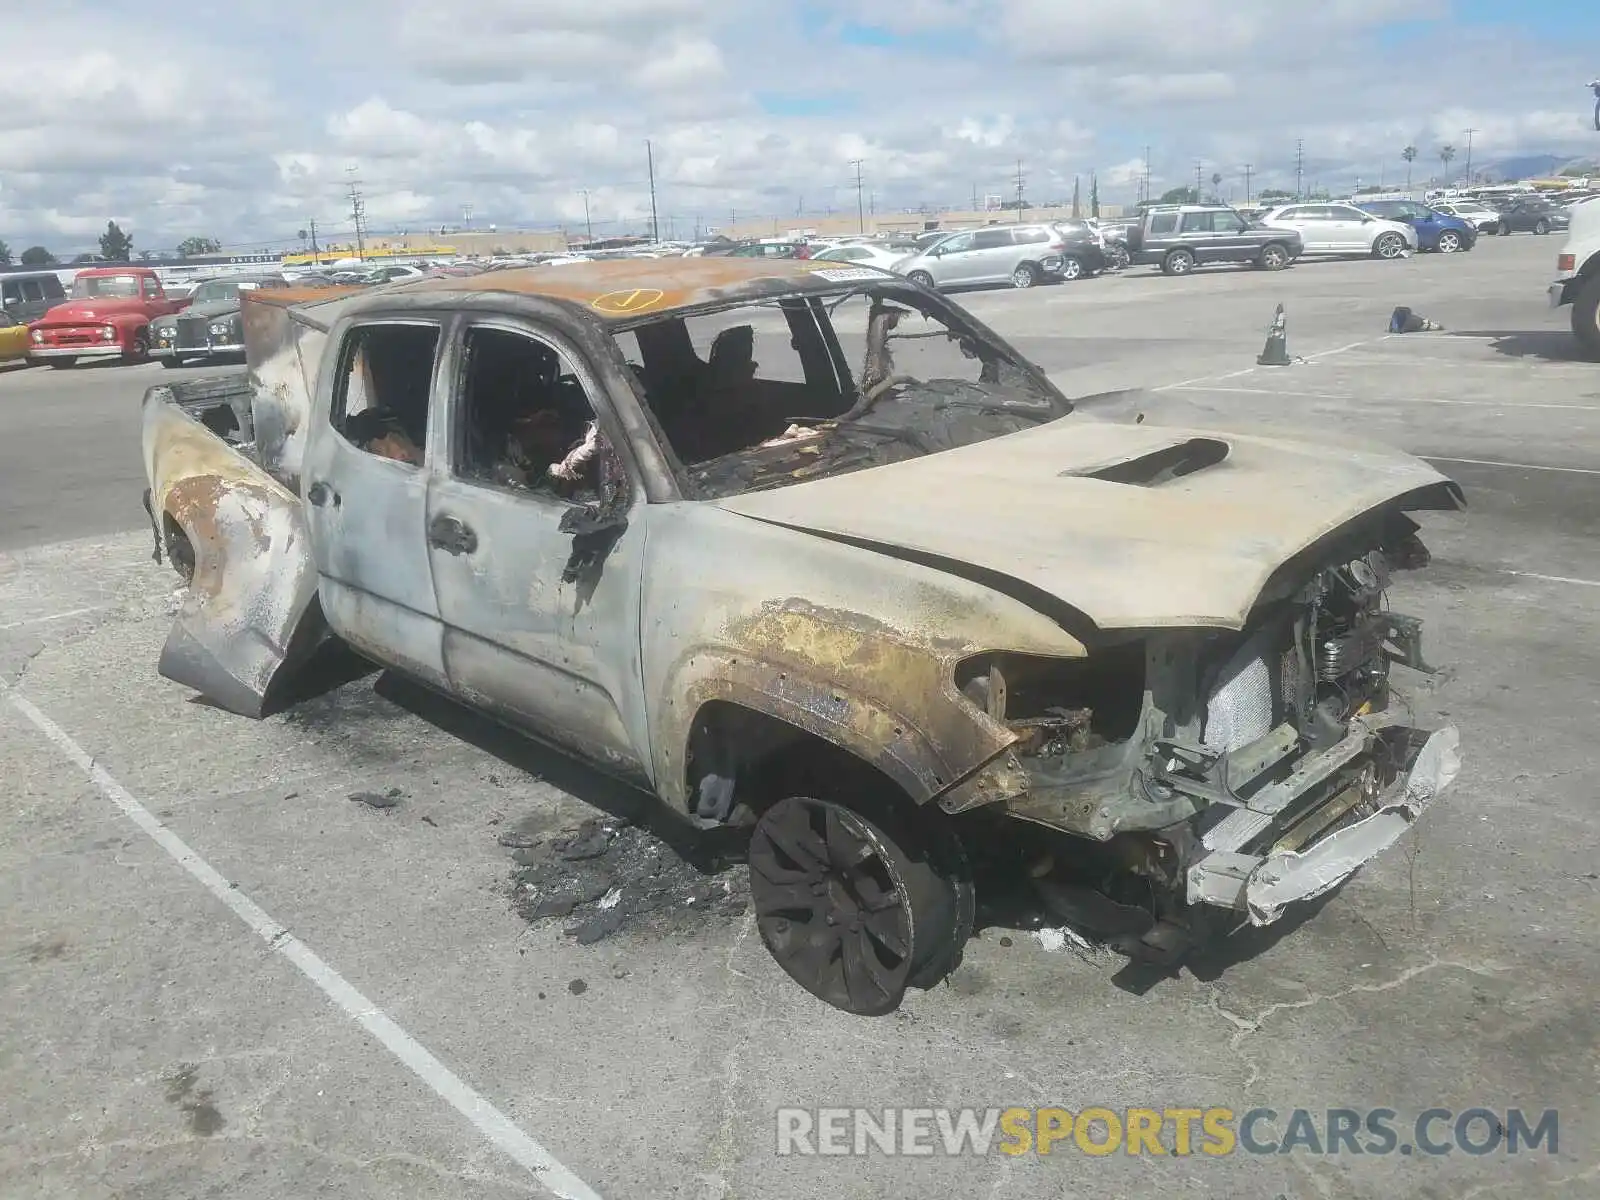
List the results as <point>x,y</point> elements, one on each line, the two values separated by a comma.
<point>762,395</point>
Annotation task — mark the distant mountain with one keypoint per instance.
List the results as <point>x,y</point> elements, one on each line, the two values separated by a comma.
<point>1531,166</point>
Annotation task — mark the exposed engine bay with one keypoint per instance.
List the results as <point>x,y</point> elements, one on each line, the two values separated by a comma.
<point>1163,753</point>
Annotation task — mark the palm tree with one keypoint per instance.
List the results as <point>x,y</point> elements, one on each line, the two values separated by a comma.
<point>1410,155</point>
<point>1446,153</point>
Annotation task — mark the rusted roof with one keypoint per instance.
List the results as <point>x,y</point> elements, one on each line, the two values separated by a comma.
<point>625,289</point>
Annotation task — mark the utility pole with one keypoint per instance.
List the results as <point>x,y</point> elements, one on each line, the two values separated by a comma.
<point>650,159</point>
<point>1299,168</point>
<point>974,197</point>
<point>1247,169</point>
<point>466,216</point>
<point>861,216</point>
<point>1019,191</point>
<point>358,215</point>
<point>1145,186</point>
<point>588,225</point>
<point>1197,183</point>
<point>1469,133</point>
<point>313,224</point>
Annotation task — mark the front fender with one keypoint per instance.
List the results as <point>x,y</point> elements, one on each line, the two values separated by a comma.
<point>248,616</point>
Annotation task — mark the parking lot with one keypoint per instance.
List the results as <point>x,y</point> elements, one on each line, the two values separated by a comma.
<point>221,976</point>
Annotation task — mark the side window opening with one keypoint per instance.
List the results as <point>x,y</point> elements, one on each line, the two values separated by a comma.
<point>722,381</point>
<point>1164,222</point>
<point>380,402</point>
<point>31,290</point>
<point>527,423</point>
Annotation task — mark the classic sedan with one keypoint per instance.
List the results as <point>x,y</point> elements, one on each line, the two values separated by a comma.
<point>210,327</point>
<point>1343,229</point>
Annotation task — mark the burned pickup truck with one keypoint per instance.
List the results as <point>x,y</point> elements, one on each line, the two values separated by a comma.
<point>809,551</point>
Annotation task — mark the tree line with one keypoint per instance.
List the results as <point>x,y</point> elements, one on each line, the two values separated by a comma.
<point>116,246</point>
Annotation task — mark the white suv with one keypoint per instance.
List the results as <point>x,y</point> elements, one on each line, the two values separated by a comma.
<point>1578,275</point>
<point>1343,229</point>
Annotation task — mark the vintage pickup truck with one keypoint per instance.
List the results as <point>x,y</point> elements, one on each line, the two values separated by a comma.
<point>809,551</point>
<point>106,315</point>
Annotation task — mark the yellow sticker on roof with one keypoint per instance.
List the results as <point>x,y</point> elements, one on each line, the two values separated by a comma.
<point>630,301</point>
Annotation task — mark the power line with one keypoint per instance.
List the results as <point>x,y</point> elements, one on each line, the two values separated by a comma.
<point>861,217</point>
<point>358,215</point>
<point>650,160</point>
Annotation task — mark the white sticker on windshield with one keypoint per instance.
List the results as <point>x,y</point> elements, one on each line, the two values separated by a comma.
<point>847,274</point>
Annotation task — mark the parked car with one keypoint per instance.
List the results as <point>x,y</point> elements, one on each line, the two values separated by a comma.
<point>1179,238</point>
<point>1343,229</point>
<point>30,294</point>
<point>107,315</point>
<point>857,608</point>
<point>758,249</point>
<point>1482,218</point>
<point>13,338</point>
<point>211,327</point>
<point>863,254</point>
<point>1578,276</point>
<point>1530,214</point>
<point>1021,255</point>
<point>1435,230</point>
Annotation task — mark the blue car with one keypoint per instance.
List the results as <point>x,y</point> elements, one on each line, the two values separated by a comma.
<point>1435,230</point>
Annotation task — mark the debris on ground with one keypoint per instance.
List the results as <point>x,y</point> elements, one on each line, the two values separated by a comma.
<point>607,876</point>
<point>1403,320</point>
<point>389,799</point>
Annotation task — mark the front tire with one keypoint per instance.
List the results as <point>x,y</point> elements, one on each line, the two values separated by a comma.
<point>1586,316</point>
<point>1389,245</point>
<point>922,279</point>
<point>1449,242</point>
<point>139,350</point>
<point>1025,276</point>
<point>1505,228</point>
<point>1071,268</point>
<point>1541,227</point>
<point>61,364</point>
<point>171,362</point>
<point>1178,262</point>
<point>859,901</point>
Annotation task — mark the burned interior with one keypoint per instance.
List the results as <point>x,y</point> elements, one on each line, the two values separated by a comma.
<point>751,397</point>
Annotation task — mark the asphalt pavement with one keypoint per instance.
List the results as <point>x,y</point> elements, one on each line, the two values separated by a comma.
<point>219,975</point>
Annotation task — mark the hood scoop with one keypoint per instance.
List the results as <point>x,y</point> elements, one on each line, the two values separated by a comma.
<point>1159,466</point>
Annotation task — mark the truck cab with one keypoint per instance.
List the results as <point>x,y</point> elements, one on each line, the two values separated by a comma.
<point>107,314</point>
<point>1578,275</point>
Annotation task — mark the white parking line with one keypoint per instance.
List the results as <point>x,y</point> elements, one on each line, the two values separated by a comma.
<point>1553,578</point>
<point>489,1121</point>
<point>1489,462</point>
<point>1320,354</point>
<point>1242,391</point>
<point>60,616</point>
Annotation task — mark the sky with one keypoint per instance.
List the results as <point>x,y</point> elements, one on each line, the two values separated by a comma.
<point>244,122</point>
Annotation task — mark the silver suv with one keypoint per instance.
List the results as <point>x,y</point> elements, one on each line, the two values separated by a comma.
<point>1021,255</point>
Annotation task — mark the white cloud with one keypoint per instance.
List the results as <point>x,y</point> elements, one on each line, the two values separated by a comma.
<point>236,124</point>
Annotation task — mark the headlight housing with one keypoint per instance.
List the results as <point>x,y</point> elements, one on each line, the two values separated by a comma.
<point>220,328</point>
<point>38,335</point>
<point>108,333</point>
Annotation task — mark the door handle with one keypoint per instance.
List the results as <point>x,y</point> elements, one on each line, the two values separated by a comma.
<point>452,536</point>
<point>321,494</point>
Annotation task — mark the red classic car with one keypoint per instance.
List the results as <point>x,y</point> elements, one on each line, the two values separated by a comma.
<point>107,315</point>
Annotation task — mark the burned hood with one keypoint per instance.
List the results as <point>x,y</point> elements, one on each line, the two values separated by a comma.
<point>1132,526</point>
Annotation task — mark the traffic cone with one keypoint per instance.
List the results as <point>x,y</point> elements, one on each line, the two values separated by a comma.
<point>1403,320</point>
<point>1276,352</point>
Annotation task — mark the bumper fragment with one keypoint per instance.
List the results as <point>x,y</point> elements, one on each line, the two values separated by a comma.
<point>1264,885</point>
<point>96,350</point>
